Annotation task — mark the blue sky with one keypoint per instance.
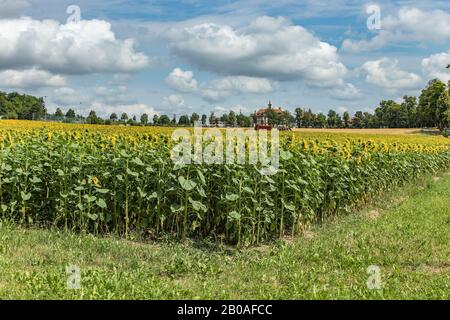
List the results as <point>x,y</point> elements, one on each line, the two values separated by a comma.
<point>177,57</point>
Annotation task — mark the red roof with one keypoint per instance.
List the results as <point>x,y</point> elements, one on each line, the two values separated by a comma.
<point>262,111</point>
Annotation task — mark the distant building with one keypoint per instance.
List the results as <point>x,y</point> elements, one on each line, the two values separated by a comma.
<point>261,117</point>
<point>220,124</point>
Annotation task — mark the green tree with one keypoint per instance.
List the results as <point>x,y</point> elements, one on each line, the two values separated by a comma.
<point>299,117</point>
<point>320,120</point>
<point>243,121</point>
<point>164,120</point>
<point>357,120</point>
<point>92,117</point>
<point>427,110</point>
<point>144,118</point>
<point>70,114</point>
<point>346,119</point>
<point>409,104</point>
<point>195,117</point>
<point>204,119</point>
<point>155,120</point>
<point>212,119</point>
<point>443,110</point>
<point>333,119</point>
<point>184,120</point>
<point>124,117</point>
<point>231,119</point>
<point>113,116</point>
<point>59,113</point>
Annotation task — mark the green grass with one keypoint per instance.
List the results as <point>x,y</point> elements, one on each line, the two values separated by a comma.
<point>409,241</point>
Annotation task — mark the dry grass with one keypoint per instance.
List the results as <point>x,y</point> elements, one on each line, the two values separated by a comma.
<point>363,131</point>
<point>373,214</point>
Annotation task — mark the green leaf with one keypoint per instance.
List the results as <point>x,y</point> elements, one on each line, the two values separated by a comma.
<point>93,216</point>
<point>25,196</point>
<point>35,180</point>
<point>232,197</point>
<point>124,154</point>
<point>101,203</point>
<point>138,162</point>
<point>248,190</point>
<point>90,198</point>
<point>142,194</point>
<point>186,184</point>
<point>234,215</point>
<point>176,208</point>
<point>197,205</point>
<point>288,206</point>
<point>102,191</point>
<point>154,195</point>
<point>202,177</point>
<point>201,192</point>
<point>132,173</point>
<point>285,155</point>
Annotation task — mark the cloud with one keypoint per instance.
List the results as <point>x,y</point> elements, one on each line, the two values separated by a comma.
<point>408,25</point>
<point>88,46</point>
<point>213,91</point>
<point>120,78</point>
<point>112,95</point>
<point>341,110</point>
<point>269,48</point>
<point>67,96</point>
<point>131,109</point>
<point>435,66</point>
<point>174,101</point>
<point>227,86</point>
<point>385,73</point>
<point>182,81</point>
<point>12,8</point>
<point>346,92</point>
<point>30,79</point>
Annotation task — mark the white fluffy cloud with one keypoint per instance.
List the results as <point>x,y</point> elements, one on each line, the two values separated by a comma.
<point>408,25</point>
<point>435,66</point>
<point>182,80</point>
<point>30,78</point>
<point>268,48</point>
<point>67,96</point>
<point>74,48</point>
<point>346,92</point>
<point>385,73</point>
<point>223,88</point>
<point>213,91</point>
<point>131,109</point>
<point>86,96</point>
<point>173,101</point>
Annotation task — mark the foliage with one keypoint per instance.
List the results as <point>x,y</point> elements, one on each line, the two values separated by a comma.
<point>15,105</point>
<point>408,241</point>
<point>104,179</point>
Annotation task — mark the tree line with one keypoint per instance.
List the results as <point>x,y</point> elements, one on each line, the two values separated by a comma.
<point>430,109</point>
<point>21,106</point>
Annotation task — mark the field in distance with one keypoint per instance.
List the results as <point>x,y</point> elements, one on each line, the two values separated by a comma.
<point>399,131</point>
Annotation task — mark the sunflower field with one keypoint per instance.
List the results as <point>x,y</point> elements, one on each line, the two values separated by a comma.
<point>121,180</point>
